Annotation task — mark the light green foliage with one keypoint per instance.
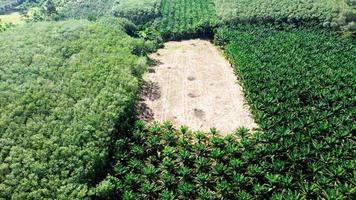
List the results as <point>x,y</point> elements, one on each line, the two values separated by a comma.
<point>5,26</point>
<point>159,162</point>
<point>46,10</point>
<point>138,11</point>
<point>328,12</point>
<point>184,19</point>
<point>65,89</point>
<point>43,10</point>
<point>88,9</point>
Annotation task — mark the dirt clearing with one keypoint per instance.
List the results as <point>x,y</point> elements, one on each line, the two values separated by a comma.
<point>193,84</point>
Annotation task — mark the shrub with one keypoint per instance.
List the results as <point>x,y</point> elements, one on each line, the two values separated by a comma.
<point>88,9</point>
<point>161,162</point>
<point>55,10</point>
<point>5,26</point>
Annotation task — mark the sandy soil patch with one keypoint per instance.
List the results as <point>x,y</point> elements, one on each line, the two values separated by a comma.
<point>193,84</point>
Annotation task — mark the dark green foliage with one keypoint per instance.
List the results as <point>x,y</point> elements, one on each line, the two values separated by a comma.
<point>187,19</point>
<point>8,5</point>
<point>48,10</point>
<point>88,9</point>
<point>300,84</point>
<point>161,162</point>
<point>65,89</point>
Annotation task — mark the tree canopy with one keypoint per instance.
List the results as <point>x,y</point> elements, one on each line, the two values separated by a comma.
<point>65,89</point>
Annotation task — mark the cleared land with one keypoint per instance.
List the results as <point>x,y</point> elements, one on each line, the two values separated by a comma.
<point>193,84</point>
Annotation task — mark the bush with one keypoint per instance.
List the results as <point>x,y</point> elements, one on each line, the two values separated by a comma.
<point>66,89</point>
<point>5,26</point>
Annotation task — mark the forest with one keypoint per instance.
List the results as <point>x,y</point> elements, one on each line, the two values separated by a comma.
<point>71,75</point>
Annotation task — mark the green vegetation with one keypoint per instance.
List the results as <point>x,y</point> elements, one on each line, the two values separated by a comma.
<point>65,90</point>
<point>329,13</point>
<point>48,10</point>
<point>300,85</point>
<point>89,9</point>
<point>68,89</point>
<point>160,162</point>
<point>5,26</point>
<point>186,19</point>
<point>138,11</point>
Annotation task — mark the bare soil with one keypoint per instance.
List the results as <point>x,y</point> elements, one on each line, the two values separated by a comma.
<point>193,84</point>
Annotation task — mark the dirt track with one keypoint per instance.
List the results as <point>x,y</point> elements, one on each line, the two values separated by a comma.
<point>194,85</point>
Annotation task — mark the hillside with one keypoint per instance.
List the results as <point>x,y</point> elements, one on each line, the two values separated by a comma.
<point>9,5</point>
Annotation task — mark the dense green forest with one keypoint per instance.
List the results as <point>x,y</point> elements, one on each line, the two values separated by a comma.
<point>328,13</point>
<point>61,100</point>
<point>70,78</point>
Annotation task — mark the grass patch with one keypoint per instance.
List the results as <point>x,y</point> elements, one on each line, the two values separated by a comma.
<point>13,18</point>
